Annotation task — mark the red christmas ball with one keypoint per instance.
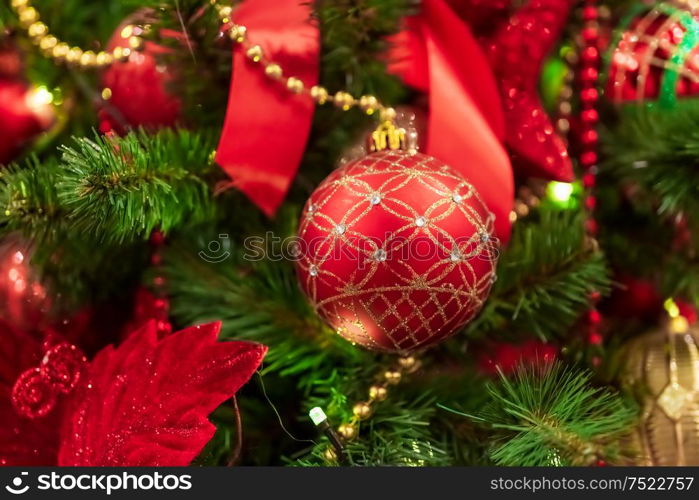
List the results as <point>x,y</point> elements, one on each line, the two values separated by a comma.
<point>139,87</point>
<point>651,48</point>
<point>25,112</point>
<point>635,298</point>
<point>396,251</point>
<point>507,358</point>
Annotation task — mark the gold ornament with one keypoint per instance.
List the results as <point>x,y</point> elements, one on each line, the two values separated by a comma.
<point>344,100</point>
<point>662,369</point>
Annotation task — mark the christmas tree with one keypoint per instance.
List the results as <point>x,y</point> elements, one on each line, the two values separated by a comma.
<point>349,232</point>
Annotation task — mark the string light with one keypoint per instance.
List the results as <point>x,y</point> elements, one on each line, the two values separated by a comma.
<point>40,96</point>
<point>363,410</point>
<point>587,137</point>
<point>560,192</point>
<point>320,420</point>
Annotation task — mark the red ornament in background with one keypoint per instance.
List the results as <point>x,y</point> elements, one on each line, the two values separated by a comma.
<point>516,52</point>
<point>396,251</point>
<point>139,87</point>
<point>25,112</point>
<point>508,357</point>
<point>22,441</point>
<point>652,45</point>
<point>635,298</point>
<point>152,304</point>
<point>10,61</point>
<point>24,302</point>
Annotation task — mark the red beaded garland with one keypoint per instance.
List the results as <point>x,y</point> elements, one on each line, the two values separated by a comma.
<point>588,138</point>
<point>161,305</point>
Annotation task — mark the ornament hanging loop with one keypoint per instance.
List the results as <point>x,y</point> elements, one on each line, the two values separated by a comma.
<point>388,136</point>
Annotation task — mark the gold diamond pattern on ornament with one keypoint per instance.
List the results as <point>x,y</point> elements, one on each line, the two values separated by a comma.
<point>353,293</point>
<point>673,400</point>
<point>662,369</point>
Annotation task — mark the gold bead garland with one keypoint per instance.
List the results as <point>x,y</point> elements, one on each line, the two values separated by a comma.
<point>378,392</point>
<point>343,100</point>
<point>54,48</point>
<point>60,51</point>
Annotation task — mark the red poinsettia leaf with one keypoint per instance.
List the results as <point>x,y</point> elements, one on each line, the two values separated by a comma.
<point>23,441</point>
<point>147,401</point>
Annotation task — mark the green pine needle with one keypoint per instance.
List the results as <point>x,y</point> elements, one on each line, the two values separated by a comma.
<point>658,149</point>
<point>545,277</point>
<point>551,415</point>
<point>121,189</point>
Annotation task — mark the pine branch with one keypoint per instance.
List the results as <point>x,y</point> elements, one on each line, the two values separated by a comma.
<point>658,150</point>
<point>258,301</point>
<point>353,47</point>
<point>353,34</point>
<point>199,57</point>
<point>29,199</point>
<point>74,265</point>
<point>399,434</point>
<point>545,276</point>
<point>551,415</point>
<point>121,189</point>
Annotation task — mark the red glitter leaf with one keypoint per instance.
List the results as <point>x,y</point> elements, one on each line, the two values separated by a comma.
<point>22,441</point>
<point>146,402</point>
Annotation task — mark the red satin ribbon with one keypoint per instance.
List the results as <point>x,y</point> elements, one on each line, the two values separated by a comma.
<point>437,54</point>
<point>266,127</point>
